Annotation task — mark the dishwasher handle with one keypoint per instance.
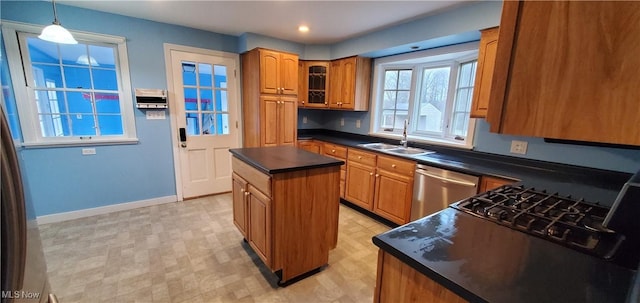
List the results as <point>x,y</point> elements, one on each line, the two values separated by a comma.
<point>443,179</point>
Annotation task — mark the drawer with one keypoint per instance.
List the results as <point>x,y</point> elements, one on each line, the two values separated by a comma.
<point>334,150</point>
<point>362,157</point>
<point>258,179</point>
<point>397,165</point>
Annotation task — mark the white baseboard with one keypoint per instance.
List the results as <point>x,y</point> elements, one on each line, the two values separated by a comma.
<point>76,214</point>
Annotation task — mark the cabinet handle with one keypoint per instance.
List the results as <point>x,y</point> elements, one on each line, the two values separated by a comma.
<point>393,166</point>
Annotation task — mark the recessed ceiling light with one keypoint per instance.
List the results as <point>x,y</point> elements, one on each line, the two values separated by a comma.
<point>303,28</point>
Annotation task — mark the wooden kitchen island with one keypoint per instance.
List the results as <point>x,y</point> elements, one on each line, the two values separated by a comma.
<point>285,204</point>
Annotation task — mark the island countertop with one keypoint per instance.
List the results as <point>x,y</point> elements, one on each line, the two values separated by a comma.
<point>280,159</point>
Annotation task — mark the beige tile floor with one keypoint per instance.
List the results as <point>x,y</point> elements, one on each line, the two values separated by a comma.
<point>191,252</point>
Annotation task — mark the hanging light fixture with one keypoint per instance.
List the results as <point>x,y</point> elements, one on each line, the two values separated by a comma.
<point>55,32</point>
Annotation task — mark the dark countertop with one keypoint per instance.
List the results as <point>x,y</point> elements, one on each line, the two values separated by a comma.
<point>594,185</point>
<point>484,262</point>
<point>280,159</point>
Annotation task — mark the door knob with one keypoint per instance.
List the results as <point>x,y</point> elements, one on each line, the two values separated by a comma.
<point>183,144</point>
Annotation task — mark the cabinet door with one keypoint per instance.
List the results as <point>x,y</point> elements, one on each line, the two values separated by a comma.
<point>347,99</point>
<point>335,83</point>
<point>360,185</point>
<point>393,196</point>
<point>269,106</point>
<point>270,72</point>
<point>550,83</point>
<point>489,183</point>
<point>484,72</point>
<point>317,76</point>
<point>310,146</point>
<point>287,121</point>
<point>288,74</point>
<point>260,224</point>
<point>239,190</point>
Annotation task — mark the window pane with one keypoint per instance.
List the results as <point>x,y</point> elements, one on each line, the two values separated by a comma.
<point>206,99</point>
<point>50,102</point>
<point>222,101</point>
<point>79,102</point>
<point>193,128</point>
<point>208,124</point>
<point>107,104</point>
<point>220,76</point>
<point>222,124</point>
<point>467,74</point>
<point>54,125</point>
<point>463,100</point>
<point>399,120</point>
<point>403,100</point>
<point>389,101</point>
<point>387,119</point>
<point>205,73</point>
<point>190,99</point>
<point>41,51</point>
<point>405,79</point>
<point>77,77</point>
<point>72,53</point>
<point>45,74</point>
<point>110,125</point>
<point>460,124</point>
<point>103,56</point>
<point>433,99</point>
<point>83,125</point>
<point>105,79</point>
<point>391,79</point>
<point>188,73</point>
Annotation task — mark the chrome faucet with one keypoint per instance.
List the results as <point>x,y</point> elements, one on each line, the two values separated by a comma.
<point>404,140</point>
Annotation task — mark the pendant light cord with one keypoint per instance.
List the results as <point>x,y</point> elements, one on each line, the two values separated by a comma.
<point>55,13</point>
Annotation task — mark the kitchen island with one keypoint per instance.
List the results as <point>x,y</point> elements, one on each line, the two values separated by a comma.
<point>285,204</point>
<point>452,256</point>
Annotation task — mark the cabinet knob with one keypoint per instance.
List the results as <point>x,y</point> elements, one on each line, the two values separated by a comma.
<point>246,193</point>
<point>370,174</point>
<point>325,103</point>
<point>393,165</point>
<point>242,190</point>
<point>377,175</point>
<point>302,102</point>
<point>359,157</point>
<point>333,151</point>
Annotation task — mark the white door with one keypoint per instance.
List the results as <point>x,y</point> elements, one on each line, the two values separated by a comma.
<point>205,104</point>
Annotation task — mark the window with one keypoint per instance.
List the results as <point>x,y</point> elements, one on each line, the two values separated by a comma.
<point>73,94</point>
<point>431,90</point>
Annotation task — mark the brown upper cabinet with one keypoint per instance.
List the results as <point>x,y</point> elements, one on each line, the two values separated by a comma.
<point>314,86</point>
<point>269,100</point>
<point>484,73</point>
<point>278,72</point>
<point>350,83</point>
<point>568,70</point>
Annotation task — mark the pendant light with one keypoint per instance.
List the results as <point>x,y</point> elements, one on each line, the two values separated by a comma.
<point>55,32</point>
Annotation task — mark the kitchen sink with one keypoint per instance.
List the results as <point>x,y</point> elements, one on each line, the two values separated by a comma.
<point>396,149</point>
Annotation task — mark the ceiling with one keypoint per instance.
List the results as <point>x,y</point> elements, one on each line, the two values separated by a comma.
<point>329,21</point>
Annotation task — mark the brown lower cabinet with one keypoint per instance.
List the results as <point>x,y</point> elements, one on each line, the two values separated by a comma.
<point>397,282</point>
<point>289,219</point>
<point>488,183</point>
<point>311,146</point>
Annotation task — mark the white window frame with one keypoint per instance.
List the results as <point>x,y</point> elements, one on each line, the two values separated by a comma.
<point>444,56</point>
<point>27,110</point>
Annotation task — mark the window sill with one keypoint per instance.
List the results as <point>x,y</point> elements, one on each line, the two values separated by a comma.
<point>433,141</point>
<point>30,145</point>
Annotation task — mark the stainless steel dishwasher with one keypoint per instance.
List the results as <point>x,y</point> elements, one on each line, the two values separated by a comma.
<point>434,189</point>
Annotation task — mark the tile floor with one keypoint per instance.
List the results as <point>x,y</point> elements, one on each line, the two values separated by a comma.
<point>192,252</point>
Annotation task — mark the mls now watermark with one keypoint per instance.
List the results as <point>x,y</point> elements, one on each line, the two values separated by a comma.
<point>20,294</point>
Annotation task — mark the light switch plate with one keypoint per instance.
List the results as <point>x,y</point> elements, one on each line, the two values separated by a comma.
<point>518,147</point>
<point>88,151</point>
<point>155,115</point>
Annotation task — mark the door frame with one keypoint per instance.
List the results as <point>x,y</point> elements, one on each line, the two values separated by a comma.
<point>175,142</point>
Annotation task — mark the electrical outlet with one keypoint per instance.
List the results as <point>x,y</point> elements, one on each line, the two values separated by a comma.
<point>304,120</point>
<point>341,121</point>
<point>519,147</point>
<point>358,123</point>
<point>88,151</point>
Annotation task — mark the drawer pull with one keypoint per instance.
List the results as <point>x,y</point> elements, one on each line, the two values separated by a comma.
<point>393,165</point>
<point>359,157</point>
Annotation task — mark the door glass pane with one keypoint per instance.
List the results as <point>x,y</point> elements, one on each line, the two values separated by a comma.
<point>107,103</point>
<point>208,124</point>
<point>205,73</point>
<point>77,77</point>
<point>206,99</point>
<point>188,73</point>
<point>54,125</point>
<point>105,79</point>
<point>222,125</point>
<point>83,125</point>
<point>220,76</point>
<point>41,51</point>
<point>110,125</point>
<point>79,102</point>
<point>222,103</point>
<point>190,99</point>
<point>193,125</point>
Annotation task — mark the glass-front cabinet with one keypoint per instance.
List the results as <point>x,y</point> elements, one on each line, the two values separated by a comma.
<point>315,85</point>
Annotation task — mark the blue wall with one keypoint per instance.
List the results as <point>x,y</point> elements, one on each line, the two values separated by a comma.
<point>61,179</point>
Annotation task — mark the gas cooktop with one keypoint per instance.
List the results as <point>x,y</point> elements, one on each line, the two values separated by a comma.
<point>571,222</point>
